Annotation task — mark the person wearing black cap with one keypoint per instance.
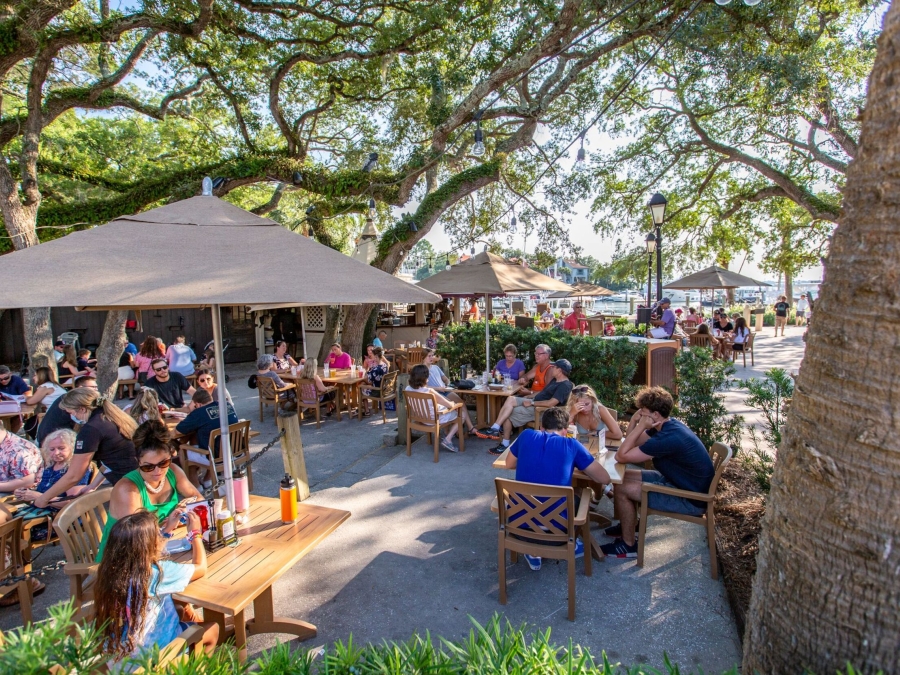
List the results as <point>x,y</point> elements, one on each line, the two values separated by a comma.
<point>59,348</point>
<point>666,321</point>
<point>519,410</point>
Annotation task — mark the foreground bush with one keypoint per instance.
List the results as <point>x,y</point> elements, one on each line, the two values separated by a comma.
<point>606,365</point>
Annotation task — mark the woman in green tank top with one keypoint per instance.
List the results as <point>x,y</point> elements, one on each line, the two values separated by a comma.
<point>157,485</point>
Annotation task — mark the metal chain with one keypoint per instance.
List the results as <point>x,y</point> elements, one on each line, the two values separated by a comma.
<point>9,581</point>
<point>268,446</point>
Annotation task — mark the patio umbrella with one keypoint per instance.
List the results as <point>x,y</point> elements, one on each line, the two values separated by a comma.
<point>489,275</point>
<point>199,252</point>
<point>714,277</point>
<point>583,290</point>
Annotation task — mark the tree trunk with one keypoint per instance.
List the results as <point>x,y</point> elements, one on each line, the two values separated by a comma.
<point>827,590</point>
<point>356,320</point>
<point>112,344</point>
<point>329,337</point>
<point>789,288</point>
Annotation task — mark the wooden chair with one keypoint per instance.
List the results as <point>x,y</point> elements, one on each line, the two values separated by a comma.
<point>239,439</point>
<point>416,356</point>
<point>720,454</point>
<point>539,413</point>
<point>420,415</point>
<point>79,526</point>
<point>387,392</point>
<point>306,391</point>
<point>11,545</point>
<point>698,340</point>
<point>530,522</point>
<point>748,348</point>
<point>126,387</point>
<point>269,393</point>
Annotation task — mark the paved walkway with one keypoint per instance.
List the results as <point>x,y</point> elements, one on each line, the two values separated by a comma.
<point>420,552</point>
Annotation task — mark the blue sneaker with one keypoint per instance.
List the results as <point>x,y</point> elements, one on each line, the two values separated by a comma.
<point>534,562</point>
<point>579,548</point>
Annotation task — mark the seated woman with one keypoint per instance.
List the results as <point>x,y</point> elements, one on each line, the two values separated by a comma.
<point>265,367</point>
<point>715,343</point>
<point>283,361</point>
<point>511,365</point>
<point>57,450</point>
<point>376,368</point>
<point>133,594</point>
<point>208,361</point>
<point>589,415</point>
<point>418,382</point>
<point>46,391</point>
<point>316,392</point>
<point>157,485</point>
<point>67,369</point>
<point>438,380</point>
<point>741,334</point>
<point>207,381</point>
<point>127,371</point>
<point>180,357</point>
<point>145,406</point>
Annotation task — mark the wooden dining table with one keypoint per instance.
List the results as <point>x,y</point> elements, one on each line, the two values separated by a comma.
<point>244,574</point>
<point>487,401</point>
<point>346,384</point>
<point>607,458</point>
<point>26,412</point>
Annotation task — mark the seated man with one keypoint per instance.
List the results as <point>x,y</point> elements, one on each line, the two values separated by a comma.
<point>11,384</point>
<point>680,459</point>
<point>203,419</point>
<point>519,410</point>
<point>666,320</point>
<point>169,387</point>
<point>549,458</point>
<point>539,373</point>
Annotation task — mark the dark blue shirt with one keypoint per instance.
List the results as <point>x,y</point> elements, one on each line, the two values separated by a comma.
<point>15,387</point>
<point>204,420</point>
<point>680,457</point>
<point>56,418</point>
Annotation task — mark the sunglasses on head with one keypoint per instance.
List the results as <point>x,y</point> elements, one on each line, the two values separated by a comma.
<point>147,468</point>
<point>160,369</point>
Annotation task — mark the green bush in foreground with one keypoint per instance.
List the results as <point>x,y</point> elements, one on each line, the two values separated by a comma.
<point>496,648</point>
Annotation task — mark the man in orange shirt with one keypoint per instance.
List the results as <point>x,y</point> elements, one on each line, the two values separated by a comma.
<point>575,323</point>
<point>539,372</point>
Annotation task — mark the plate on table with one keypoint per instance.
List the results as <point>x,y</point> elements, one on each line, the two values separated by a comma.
<point>177,546</point>
<point>175,414</point>
<point>496,387</point>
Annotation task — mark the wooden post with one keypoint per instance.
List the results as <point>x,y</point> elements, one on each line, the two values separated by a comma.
<point>402,381</point>
<point>292,451</point>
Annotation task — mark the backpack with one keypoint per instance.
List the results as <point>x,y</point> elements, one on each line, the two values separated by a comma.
<point>251,382</point>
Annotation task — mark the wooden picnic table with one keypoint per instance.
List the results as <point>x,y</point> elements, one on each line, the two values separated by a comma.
<point>26,412</point>
<point>607,459</point>
<point>342,379</point>
<point>484,414</point>
<point>245,574</point>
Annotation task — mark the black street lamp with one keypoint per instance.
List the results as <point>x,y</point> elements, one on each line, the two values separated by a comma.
<point>651,247</point>
<point>658,212</point>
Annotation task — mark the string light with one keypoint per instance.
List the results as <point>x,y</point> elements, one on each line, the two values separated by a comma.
<point>478,148</point>
<point>370,163</point>
<point>580,164</point>
<point>372,211</point>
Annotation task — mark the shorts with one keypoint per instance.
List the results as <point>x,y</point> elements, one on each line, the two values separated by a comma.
<point>521,415</point>
<point>197,458</point>
<point>668,503</point>
<point>738,346</point>
<point>801,313</point>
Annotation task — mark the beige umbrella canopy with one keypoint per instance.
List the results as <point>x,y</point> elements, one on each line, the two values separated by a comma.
<point>488,274</point>
<point>197,252</point>
<point>715,277</point>
<point>583,290</point>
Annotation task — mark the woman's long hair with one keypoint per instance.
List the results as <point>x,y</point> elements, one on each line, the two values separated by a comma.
<point>151,436</point>
<point>151,348</point>
<point>583,391</point>
<point>69,356</point>
<point>92,400</point>
<point>309,369</point>
<point>123,581</point>
<point>740,326</point>
<point>146,406</point>
<point>43,375</point>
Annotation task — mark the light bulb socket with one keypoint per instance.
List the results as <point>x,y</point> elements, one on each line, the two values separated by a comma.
<point>413,227</point>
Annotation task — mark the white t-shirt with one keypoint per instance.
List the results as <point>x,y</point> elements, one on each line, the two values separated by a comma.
<point>445,416</point>
<point>802,305</point>
<point>434,376</point>
<point>55,392</point>
<point>741,335</point>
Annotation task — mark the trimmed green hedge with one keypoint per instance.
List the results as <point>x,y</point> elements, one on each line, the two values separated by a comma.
<point>606,365</point>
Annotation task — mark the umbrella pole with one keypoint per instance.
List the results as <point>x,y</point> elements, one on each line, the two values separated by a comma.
<point>225,440</point>
<point>487,332</point>
<point>303,329</point>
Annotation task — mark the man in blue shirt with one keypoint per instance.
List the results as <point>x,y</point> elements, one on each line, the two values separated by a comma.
<point>680,459</point>
<point>11,384</point>
<point>667,318</point>
<point>204,417</point>
<point>549,458</point>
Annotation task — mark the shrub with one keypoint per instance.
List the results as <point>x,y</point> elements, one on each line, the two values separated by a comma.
<point>700,379</point>
<point>771,395</point>
<point>606,365</point>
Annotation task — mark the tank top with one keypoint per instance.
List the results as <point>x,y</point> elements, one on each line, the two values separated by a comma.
<point>162,511</point>
<point>539,374</point>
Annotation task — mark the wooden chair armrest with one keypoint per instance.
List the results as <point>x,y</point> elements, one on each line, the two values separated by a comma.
<point>81,569</point>
<point>675,492</point>
<point>286,387</point>
<point>192,636</point>
<point>583,506</point>
<point>183,448</point>
<point>330,387</point>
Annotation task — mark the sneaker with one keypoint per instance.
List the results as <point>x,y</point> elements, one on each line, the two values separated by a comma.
<point>488,433</point>
<point>448,445</point>
<point>616,530</point>
<point>534,562</point>
<point>499,450</point>
<point>579,548</point>
<point>619,549</point>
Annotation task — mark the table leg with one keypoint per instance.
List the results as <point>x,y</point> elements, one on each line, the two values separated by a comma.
<point>265,621</point>
<point>226,632</point>
<point>338,395</point>
<point>480,414</point>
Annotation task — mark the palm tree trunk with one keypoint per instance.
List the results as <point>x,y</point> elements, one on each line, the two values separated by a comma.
<point>827,587</point>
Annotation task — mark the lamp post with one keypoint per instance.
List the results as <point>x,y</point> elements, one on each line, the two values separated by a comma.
<point>658,212</point>
<point>651,247</point>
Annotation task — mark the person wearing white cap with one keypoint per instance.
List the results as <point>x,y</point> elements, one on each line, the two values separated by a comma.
<point>667,319</point>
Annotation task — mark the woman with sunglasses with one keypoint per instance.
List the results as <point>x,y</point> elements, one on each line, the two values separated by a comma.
<point>589,415</point>
<point>157,485</point>
<point>207,381</point>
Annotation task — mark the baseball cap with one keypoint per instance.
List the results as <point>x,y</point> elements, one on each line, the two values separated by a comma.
<point>59,343</point>
<point>563,365</point>
<point>664,301</point>
<point>678,311</point>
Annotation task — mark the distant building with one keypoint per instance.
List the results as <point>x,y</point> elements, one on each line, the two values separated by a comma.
<point>569,271</point>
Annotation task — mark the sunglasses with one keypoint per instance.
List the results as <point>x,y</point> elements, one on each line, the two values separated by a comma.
<point>160,369</point>
<point>147,468</point>
<point>6,379</point>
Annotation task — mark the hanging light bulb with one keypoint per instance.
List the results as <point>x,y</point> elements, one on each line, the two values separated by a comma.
<point>473,249</point>
<point>512,223</point>
<point>485,248</point>
<point>478,148</point>
<point>752,3</point>
<point>447,266</point>
<point>206,187</point>
<point>722,3</point>
<point>580,165</point>
<point>372,211</point>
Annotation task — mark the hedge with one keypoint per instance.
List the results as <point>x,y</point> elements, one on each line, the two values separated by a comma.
<point>608,366</point>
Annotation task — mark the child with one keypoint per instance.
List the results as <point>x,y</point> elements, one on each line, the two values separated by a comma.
<point>84,360</point>
<point>133,596</point>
